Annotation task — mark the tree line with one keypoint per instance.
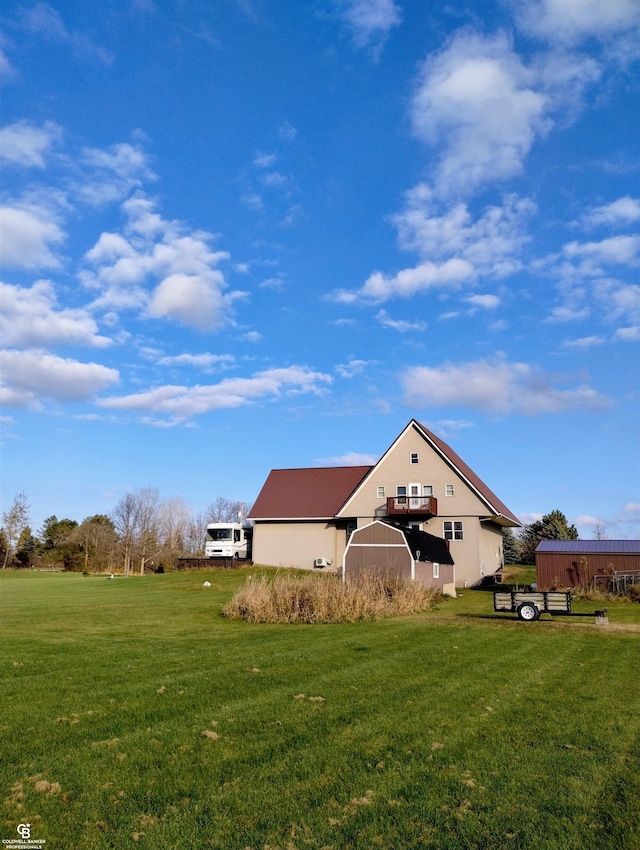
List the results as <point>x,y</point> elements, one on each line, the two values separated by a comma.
<point>143,532</point>
<point>520,548</point>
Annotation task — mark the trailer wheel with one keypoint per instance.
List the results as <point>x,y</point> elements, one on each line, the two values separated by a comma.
<point>528,612</point>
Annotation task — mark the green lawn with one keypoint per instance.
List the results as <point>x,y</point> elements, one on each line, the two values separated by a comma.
<point>135,715</point>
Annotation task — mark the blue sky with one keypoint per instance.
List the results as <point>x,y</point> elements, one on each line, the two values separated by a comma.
<point>248,234</point>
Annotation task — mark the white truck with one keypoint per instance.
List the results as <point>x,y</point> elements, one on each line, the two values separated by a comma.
<point>228,540</point>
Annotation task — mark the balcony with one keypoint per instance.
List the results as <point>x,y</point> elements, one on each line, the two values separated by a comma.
<point>424,506</point>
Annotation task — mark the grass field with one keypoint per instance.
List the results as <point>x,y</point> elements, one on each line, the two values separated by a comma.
<point>135,715</point>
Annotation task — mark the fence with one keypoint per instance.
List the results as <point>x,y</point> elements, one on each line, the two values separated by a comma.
<point>618,583</point>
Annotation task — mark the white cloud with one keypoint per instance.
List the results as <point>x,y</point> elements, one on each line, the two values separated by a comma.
<point>349,459</point>
<point>352,368</point>
<point>424,277</point>
<point>631,334</point>
<point>205,361</point>
<point>402,325</point>
<point>623,250</point>
<point>629,513</point>
<point>486,302</point>
<point>370,20</point>
<point>265,160</point>
<point>622,211</point>
<point>30,319</point>
<point>44,21</point>
<point>477,98</point>
<point>572,21</point>
<point>192,300</point>
<point>253,201</point>
<point>27,145</point>
<point>567,314</point>
<point>619,301</point>
<point>31,376</point>
<point>496,386</point>
<point>490,243</point>
<point>584,343</point>
<point>111,174</point>
<point>287,132</point>
<point>29,232</point>
<point>181,402</point>
<point>189,287</point>
<point>6,71</point>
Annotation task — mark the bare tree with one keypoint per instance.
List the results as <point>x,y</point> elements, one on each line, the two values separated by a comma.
<point>124,517</point>
<point>600,531</point>
<point>174,517</point>
<point>135,518</point>
<point>224,510</point>
<point>14,522</point>
<point>148,522</point>
<point>197,534</point>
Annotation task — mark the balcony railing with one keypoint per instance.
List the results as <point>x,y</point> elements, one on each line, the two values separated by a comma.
<point>412,505</point>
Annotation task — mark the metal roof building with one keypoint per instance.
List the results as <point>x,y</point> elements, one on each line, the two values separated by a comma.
<point>568,563</point>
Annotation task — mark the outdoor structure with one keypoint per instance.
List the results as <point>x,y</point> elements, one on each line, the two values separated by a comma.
<point>402,552</point>
<point>304,517</point>
<point>567,563</point>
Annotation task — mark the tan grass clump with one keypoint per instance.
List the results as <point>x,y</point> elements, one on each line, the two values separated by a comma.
<point>295,598</point>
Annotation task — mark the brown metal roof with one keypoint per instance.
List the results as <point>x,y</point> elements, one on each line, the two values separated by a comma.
<point>312,493</point>
<point>488,495</point>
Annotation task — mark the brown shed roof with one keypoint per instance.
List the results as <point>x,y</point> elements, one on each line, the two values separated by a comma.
<point>311,493</point>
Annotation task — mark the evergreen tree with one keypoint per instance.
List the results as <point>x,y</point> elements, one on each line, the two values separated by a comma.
<point>510,547</point>
<point>552,526</point>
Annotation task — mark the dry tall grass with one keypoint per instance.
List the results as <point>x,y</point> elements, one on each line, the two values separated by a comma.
<point>295,598</point>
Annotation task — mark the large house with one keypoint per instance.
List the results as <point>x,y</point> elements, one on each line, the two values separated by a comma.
<point>304,517</point>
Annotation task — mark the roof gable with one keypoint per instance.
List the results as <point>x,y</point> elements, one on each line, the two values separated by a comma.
<point>465,471</point>
<point>311,493</point>
<point>496,508</point>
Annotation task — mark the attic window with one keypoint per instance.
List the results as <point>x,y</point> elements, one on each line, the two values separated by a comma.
<point>448,489</point>
<point>414,457</point>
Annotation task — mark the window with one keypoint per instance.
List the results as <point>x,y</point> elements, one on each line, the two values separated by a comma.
<point>380,493</point>
<point>448,489</point>
<point>427,489</point>
<point>414,457</point>
<point>351,527</point>
<point>436,570</point>
<point>453,530</point>
<point>401,490</point>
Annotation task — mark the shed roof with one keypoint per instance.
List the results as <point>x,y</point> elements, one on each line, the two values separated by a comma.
<point>590,547</point>
<point>429,547</point>
<point>308,493</point>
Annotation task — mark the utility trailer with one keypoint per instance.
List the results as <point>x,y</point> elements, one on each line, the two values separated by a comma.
<point>530,604</point>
